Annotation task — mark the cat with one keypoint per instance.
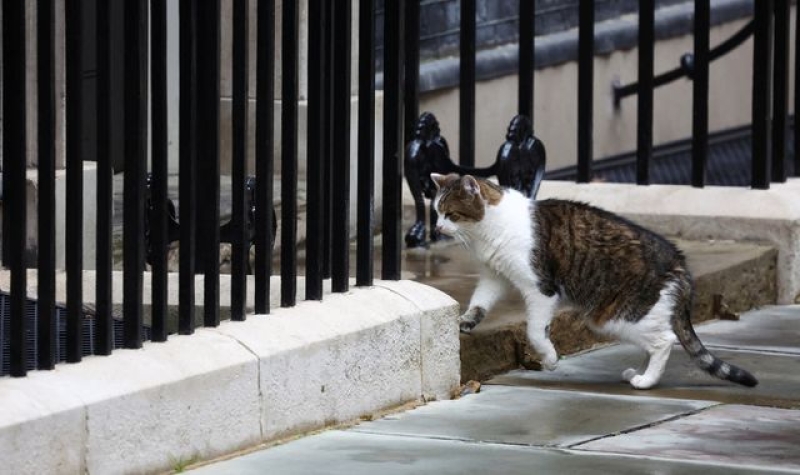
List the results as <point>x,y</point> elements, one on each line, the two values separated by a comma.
<point>625,281</point>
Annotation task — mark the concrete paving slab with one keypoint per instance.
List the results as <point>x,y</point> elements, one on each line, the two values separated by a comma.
<point>600,371</point>
<point>759,436</point>
<point>772,328</point>
<point>528,416</point>
<point>353,453</point>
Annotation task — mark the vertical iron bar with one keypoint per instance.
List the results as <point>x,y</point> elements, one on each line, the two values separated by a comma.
<point>702,25</point>
<point>366,130</point>
<point>585,89</point>
<point>644,104</point>
<point>265,82</point>
<point>315,132</point>
<point>466,85</point>
<point>327,140</point>
<point>188,166</point>
<point>780,90</point>
<point>208,72</point>
<point>74,193</point>
<point>527,32</point>
<point>158,222</point>
<point>411,93</point>
<point>797,93</point>
<point>289,154</point>
<point>392,138</point>
<point>762,67</point>
<point>14,167</point>
<point>340,236</point>
<point>135,166</point>
<point>240,247</point>
<point>46,304</point>
<point>104,331</point>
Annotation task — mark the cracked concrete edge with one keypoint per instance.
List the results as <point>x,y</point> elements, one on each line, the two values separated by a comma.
<point>227,388</point>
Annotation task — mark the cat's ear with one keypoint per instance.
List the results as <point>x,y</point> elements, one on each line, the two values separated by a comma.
<point>437,179</point>
<point>470,185</point>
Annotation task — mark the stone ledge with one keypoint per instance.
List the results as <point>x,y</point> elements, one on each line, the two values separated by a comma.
<point>226,388</point>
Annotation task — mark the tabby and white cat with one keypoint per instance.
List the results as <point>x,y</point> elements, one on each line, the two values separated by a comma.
<point>625,281</point>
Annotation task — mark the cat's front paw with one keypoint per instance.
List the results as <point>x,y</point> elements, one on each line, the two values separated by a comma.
<point>470,319</point>
<point>466,325</point>
<point>550,362</point>
<point>628,374</point>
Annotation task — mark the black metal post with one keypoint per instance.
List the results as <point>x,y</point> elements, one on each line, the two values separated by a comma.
<point>158,221</point>
<point>644,119</point>
<point>762,83</point>
<point>314,148</point>
<point>780,98</point>
<point>466,86</point>
<point>411,77</point>
<point>527,32</point>
<point>46,303</point>
<point>289,154</point>
<point>702,18</point>
<point>366,135</point>
<point>14,166</point>
<point>104,331</point>
<point>327,140</point>
<point>392,139</point>
<point>208,60</point>
<point>585,89</point>
<point>797,93</point>
<point>74,193</point>
<point>188,166</point>
<point>340,256</point>
<point>265,81</point>
<point>135,169</point>
<point>240,242</point>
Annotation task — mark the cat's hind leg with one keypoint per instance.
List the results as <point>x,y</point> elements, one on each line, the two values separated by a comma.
<point>491,288</point>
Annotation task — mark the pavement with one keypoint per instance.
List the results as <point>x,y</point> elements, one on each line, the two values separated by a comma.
<point>581,418</point>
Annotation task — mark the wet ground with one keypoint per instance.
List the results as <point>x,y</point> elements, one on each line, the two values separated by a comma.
<point>582,419</point>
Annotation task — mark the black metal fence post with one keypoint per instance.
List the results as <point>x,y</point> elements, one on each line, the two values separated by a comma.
<point>466,86</point>
<point>208,87</point>
<point>702,17</point>
<point>265,82</point>
<point>644,119</point>
<point>527,34</point>
<point>762,93</point>
<point>797,93</point>
<point>392,139</point>
<point>411,68</point>
<point>340,254</point>
<point>314,147</point>
<point>366,137</point>
<point>585,89</point>
<point>158,221</point>
<point>289,154</point>
<point>74,194</point>
<point>104,331</point>
<point>187,166</point>
<point>780,96</point>
<point>240,241</point>
<point>14,166</point>
<point>46,219</point>
<point>135,168</point>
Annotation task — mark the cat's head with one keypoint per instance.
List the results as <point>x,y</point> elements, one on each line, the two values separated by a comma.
<point>461,201</point>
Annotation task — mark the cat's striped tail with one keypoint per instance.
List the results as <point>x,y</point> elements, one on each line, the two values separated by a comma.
<point>682,326</point>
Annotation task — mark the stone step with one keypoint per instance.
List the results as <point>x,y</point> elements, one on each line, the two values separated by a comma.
<point>742,273</point>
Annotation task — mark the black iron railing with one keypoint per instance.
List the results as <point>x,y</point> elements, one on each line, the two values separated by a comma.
<point>132,36</point>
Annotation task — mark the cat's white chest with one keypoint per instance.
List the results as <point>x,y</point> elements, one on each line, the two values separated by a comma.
<point>504,240</point>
